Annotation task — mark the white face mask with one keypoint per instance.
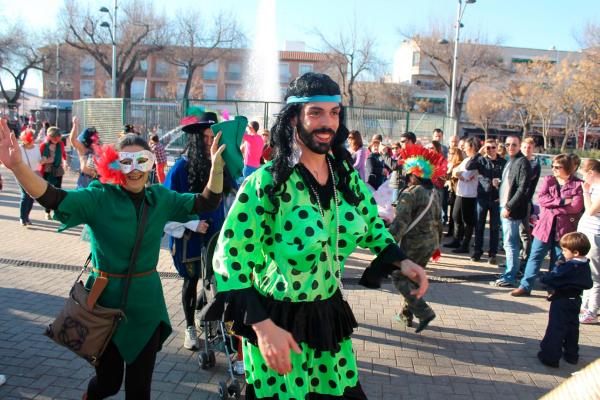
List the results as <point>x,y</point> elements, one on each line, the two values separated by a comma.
<point>139,160</point>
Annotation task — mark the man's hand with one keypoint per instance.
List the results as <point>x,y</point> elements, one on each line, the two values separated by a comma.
<point>202,227</point>
<point>417,274</point>
<point>505,213</point>
<point>275,344</point>
<point>568,201</point>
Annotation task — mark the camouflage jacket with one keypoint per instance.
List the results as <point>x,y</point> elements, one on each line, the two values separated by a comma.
<point>425,237</point>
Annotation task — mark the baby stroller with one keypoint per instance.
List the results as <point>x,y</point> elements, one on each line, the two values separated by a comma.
<point>213,331</point>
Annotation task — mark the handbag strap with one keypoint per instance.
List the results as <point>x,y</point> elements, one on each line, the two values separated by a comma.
<point>416,221</point>
<point>136,248</point>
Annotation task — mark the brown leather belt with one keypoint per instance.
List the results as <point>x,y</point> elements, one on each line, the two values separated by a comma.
<point>111,275</point>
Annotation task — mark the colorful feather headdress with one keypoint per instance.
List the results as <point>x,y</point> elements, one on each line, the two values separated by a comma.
<point>423,163</point>
<point>106,159</point>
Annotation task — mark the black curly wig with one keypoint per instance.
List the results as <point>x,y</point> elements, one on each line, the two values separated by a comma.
<point>199,164</point>
<point>282,139</point>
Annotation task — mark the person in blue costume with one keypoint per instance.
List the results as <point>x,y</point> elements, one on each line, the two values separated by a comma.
<point>188,241</point>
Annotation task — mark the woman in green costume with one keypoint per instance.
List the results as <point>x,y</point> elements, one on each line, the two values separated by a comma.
<point>112,213</point>
<point>281,253</point>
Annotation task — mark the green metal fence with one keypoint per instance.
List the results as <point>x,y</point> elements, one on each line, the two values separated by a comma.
<point>162,116</point>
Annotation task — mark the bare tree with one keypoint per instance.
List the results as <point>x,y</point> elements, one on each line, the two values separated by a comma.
<point>140,32</point>
<point>351,55</point>
<point>18,56</point>
<point>384,94</point>
<point>486,106</point>
<point>477,62</point>
<point>199,41</point>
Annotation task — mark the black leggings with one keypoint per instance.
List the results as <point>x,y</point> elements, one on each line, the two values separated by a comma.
<point>465,218</point>
<point>188,299</point>
<point>138,375</point>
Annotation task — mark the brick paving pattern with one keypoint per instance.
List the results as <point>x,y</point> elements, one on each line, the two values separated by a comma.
<point>482,345</point>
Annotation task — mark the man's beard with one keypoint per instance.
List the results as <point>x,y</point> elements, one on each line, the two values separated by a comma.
<point>309,140</point>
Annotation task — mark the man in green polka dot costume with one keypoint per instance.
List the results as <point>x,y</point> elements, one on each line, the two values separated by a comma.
<point>281,252</point>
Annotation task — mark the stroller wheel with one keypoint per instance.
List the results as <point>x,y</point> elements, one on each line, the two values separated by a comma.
<point>212,360</point>
<point>234,390</point>
<point>203,360</point>
<point>223,392</point>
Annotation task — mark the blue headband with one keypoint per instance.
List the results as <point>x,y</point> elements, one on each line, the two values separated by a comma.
<point>315,99</point>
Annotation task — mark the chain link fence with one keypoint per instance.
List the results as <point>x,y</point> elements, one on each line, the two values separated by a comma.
<point>163,116</point>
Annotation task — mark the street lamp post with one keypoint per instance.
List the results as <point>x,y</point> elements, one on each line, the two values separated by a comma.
<point>460,10</point>
<point>113,38</point>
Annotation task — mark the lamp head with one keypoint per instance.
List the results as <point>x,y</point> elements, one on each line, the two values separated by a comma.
<point>470,1</point>
<point>105,24</point>
<point>104,9</point>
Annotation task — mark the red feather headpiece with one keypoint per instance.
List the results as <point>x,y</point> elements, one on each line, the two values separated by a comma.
<point>106,159</point>
<point>423,163</point>
<point>26,137</point>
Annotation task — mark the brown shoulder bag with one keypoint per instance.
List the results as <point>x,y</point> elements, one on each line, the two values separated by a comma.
<point>85,327</point>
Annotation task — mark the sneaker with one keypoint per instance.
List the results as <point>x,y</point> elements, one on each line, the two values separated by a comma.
<point>190,340</point>
<point>23,222</point>
<point>2,379</point>
<point>501,283</point>
<point>476,257</point>
<point>492,260</point>
<point>588,318</point>
<point>238,367</point>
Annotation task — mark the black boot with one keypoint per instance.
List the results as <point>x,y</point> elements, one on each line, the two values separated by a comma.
<point>453,244</point>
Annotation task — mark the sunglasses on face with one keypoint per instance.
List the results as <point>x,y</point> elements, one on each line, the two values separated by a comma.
<point>511,145</point>
<point>491,147</point>
<point>557,167</point>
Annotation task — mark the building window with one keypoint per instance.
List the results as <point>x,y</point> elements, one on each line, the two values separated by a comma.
<point>161,68</point>
<point>182,72</point>
<point>138,88</point>
<point>234,71</point>
<point>284,73</point>
<point>87,66</point>
<point>180,89</point>
<point>209,92</point>
<point>210,71</point>
<point>86,88</point>
<point>160,90</point>
<point>305,68</point>
<point>416,58</point>
<point>231,92</point>
<point>144,65</point>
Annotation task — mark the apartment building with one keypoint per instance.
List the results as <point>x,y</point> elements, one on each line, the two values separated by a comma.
<point>81,76</point>
<point>412,67</point>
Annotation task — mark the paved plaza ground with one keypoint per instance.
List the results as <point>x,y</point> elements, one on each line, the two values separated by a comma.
<point>483,344</point>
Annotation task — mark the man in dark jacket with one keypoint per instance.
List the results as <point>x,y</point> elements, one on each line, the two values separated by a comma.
<point>513,196</point>
<point>527,148</point>
<point>489,167</point>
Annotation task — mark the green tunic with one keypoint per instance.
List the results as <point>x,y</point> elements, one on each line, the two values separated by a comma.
<point>112,219</point>
<point>287,257</point>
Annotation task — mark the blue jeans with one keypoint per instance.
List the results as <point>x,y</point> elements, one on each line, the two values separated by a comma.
<point>539,250</point>
<point>483,207</point>
<point>25,206</point>
<point>512,246</point>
